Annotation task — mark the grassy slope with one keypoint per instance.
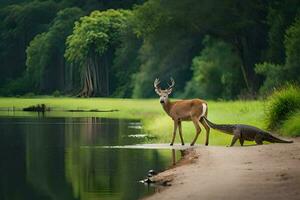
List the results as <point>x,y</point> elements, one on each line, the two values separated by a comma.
<point>155,121</point>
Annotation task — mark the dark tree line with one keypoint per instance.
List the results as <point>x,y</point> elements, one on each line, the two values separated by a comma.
<point>213,49</point>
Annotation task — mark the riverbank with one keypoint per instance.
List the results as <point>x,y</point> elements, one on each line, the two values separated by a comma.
<point>252,172</point>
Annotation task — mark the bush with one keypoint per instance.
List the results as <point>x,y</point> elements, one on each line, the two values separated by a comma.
<point>274,76</point>
<point>282,104</point>
<point>291,126</point>
<point>56,93</point>
<point>19,86</point>
<point>216,72</point>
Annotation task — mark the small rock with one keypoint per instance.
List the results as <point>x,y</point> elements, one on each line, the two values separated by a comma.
<point>152,172</point>
<point>147,181</point>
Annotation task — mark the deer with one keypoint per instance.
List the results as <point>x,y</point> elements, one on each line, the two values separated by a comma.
<point>183,110</point>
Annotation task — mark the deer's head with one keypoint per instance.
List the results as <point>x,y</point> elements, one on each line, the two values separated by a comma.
<point>163,94</point>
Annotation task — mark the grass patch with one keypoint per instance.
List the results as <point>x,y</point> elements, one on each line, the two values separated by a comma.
<point>149,111</point>
<point>282,104</point>
<point>131,109</point>
<point>232,112</point>
<point>291,126</point>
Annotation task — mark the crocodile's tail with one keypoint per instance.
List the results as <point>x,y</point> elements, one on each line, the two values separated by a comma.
<point>273,139</point>
<point>226,128</point>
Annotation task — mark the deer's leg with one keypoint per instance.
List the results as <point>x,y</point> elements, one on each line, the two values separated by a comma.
<point>198,129</point>
<point>207,130</point>
<point>180,132</point>
<point>174,132</point>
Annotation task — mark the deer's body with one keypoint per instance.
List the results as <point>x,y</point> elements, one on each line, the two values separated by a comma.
<point>183,110</point>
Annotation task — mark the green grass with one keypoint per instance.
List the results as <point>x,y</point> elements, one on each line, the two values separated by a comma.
<point>283,111</point>
<point>291,126</point>
<point>154,119</point>
<point>247,112</point>
<point>128,108</point>
<point>281,105</point>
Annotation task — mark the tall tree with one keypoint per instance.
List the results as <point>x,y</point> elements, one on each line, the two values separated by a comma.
<point>281,14</point>
<point>91,47</point>
<point>46,66</point>
<point>172,32</point>
<point>19,24</point>
<point>292,47</point>
<point>216,72</point>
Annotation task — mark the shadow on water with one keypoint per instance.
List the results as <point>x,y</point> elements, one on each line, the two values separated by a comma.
<point>42,158</point>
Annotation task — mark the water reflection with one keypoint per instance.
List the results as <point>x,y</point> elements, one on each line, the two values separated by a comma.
<point>42,158</point>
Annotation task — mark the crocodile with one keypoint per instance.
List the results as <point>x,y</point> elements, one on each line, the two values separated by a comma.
<point>243,132</point>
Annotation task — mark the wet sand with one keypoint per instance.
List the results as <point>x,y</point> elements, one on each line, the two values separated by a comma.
<point>252,172</point>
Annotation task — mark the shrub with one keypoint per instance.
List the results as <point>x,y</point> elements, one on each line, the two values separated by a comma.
<point>56,93</point>
<point>291,126</point>
<point>216,72</point>
<point>19,86</point>
<point>282,104</point>
<point>274,76</point>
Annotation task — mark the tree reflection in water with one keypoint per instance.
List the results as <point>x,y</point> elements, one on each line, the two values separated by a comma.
<point>53,162</point>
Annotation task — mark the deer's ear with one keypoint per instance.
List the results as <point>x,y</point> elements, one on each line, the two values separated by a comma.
<point>169,91</point>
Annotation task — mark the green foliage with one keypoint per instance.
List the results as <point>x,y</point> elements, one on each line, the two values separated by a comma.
<point>291,126</point>
<point>91,49</point>
<point>126,62</point>
<point>94,34</point>
<point>149,18</point>
<point>173,31</point>
<point>277,75</point>
<point>56,93</point>
<point>168,44</point>
<point>283,111</point>
<point>45,51</point>
<point>274,76</point>
<point>275,51</point>
<point>22,20</point>
<point>19,86</point>
<point>292,48</point>
<point>282,104</point>
<point>18,26</point>
<point>37,59</point>
<point>120,52</point>
<point>279,17</point>
<point>216,72</point>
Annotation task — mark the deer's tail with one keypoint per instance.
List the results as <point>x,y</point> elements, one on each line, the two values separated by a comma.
<point>204,110</point>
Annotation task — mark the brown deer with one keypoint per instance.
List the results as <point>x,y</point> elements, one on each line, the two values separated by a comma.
<point>183,110</point>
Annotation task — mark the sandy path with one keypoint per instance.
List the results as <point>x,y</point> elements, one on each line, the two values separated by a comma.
<point>253,172</point>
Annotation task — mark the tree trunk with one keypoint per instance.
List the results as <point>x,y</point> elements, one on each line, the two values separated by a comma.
<point>96,76</point>
<point>248,61</point>
<point>88,88</point>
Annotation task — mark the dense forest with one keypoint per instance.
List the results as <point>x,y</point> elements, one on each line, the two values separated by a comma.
<point>213,49</point>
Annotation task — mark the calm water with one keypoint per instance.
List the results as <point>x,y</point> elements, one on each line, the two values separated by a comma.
<point>60,158</point>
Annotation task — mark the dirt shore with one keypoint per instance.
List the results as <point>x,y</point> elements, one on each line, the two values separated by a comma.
<point>253,172</point>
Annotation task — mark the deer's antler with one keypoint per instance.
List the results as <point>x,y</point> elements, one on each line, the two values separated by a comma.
<point>156,83</point>
<point>172,84</point>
